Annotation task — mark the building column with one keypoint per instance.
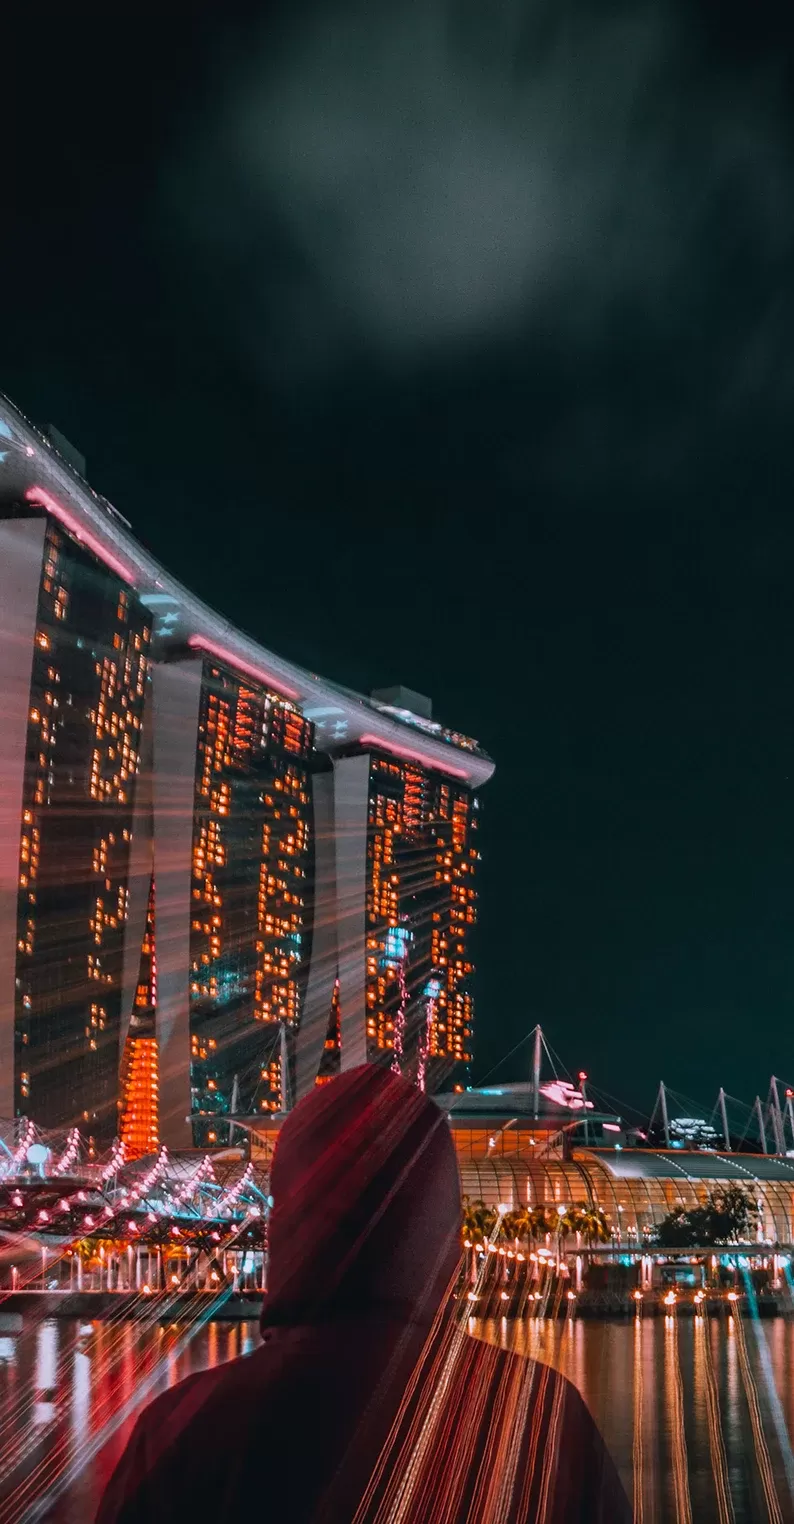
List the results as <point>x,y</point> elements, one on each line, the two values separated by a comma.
<point>351,799</point>
<point>21,556</point>
<point>339,933</point>
<point>139,873</point>
<point>176,694</point>
<point>324,958</point>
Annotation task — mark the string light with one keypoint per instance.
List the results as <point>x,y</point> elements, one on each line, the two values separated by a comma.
<point>70,1154</point>
<point>18,1157</point>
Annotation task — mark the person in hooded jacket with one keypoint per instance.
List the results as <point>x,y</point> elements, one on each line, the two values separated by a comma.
<point>367,1400</point>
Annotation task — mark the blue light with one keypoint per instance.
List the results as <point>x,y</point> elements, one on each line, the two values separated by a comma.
<point>395,947</point>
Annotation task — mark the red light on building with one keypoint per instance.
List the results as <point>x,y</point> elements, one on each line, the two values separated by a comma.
<point>139,1123</point>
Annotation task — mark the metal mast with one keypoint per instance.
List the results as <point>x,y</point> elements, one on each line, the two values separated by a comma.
<point>790,1113</point>
<point>777,1117</point>
<point>583,1089</point>
<point>665,1118</point>
<point>536,1062</point>
<point>724,1115</point>
<point>759,1111</point>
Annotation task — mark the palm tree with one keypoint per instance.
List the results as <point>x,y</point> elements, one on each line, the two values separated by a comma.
<point>587,1222</point>
<point>596,1226</point>
<point>575,1219</point>
<point>477,1226</point>
<point>479,1220</point>
<point>517,1225</point>
<point>544,1220</point>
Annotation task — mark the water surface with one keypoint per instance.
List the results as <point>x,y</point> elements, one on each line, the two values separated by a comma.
<point>681,1405</point>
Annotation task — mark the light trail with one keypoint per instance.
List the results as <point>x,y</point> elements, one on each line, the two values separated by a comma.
<point>153,1311</point>
<point>638,1470</point>
<point>120,1327</point>
<point>773,1398</point>
<point>148,1312</point>
<point>675,1398</point>
<point>762,1456</point>
<point>719,1459</point>
<point>35,1509</point>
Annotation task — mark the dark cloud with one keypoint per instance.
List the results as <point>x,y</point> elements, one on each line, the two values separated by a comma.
<point>605,192</point>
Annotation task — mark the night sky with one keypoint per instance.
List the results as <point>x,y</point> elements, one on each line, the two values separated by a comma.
<point>452,345</point>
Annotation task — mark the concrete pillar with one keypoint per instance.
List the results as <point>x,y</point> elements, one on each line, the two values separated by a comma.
<point>351,790</point>
<point>176,694</point>
<point>139,873</point>
<point>324,945</point>
<point>21,554</point>
<point>339,936</point>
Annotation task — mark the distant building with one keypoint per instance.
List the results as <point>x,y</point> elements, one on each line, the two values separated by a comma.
<point>397,900</point>
<point>73,668</point>
<point>249,914</point>
<point>222,877</point>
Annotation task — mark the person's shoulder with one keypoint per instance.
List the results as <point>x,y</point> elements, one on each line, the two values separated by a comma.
<point>168,1413</point>
<point>549,1386</point>
<point>505,1362</point>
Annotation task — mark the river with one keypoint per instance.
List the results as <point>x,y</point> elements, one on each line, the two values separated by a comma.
<point>680,1403</point>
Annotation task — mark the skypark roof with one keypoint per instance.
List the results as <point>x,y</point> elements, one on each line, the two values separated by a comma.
<point>32,470</point>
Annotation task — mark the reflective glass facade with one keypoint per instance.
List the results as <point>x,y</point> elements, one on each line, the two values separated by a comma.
<point>249,916</point>
<point>420,910</point>
<point>148,745</point>
<point>88,676</point>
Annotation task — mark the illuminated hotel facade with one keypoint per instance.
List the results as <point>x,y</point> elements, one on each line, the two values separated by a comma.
<point>222,878</point>
<point>395,901</point>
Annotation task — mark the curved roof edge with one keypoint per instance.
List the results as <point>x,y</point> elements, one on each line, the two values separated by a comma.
<point>644,1163</point>
<point>33,468</point>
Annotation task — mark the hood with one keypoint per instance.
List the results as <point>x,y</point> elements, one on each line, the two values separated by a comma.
<point>366,1204</point>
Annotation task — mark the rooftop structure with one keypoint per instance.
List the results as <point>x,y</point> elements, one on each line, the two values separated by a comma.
<point>33,470</point>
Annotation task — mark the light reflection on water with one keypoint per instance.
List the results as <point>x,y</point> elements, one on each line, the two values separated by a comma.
<point>629,1374</point>
<point>646,1384</point>
<point>63,1381</point>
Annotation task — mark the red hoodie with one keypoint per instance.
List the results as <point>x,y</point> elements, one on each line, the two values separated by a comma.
<point>367,1400</point>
